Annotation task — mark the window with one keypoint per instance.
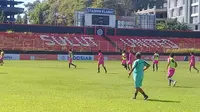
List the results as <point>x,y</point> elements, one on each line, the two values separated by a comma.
<point>172,13</point>
<point>165,5</point>
<point>181,11</point>
<point>194,9</point>
<point>196,27</point>
<point>175,3</point>
<point>195,19</point>
<point>100,20</point>
<point>194,1</point>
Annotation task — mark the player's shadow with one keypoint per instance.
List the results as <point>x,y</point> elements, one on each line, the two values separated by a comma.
<point>183,87</point>
<point>3,73</point>
<point>112,73</point>
<point>164,101</point>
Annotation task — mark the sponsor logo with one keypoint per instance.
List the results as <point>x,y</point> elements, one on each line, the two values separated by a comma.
<point>8,57</point>
<point>76,57</point>
<point>11,57</point>
<point>100,32</point>
<point>100,11</point>
<point>83,58</point>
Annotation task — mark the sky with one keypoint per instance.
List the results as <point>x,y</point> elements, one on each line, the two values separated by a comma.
<point>22,5</point>
<point>25,1</point>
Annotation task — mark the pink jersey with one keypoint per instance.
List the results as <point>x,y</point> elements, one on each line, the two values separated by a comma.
<point>130,57</point>
<point>192,59</point>
<point>100,57</point>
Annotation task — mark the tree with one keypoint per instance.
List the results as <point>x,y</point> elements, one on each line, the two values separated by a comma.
<point>161,26</point>
<point>25,19</point>
<point>67,8</point>
<point>122,7</point>
<point>39,14</point>
<point>2,16</point>
<point>19,19</point>
<point>172,24</point>
<point>54,12</point>
<point>144,4</point>
<point>31,6</point>
<point>97,4</point>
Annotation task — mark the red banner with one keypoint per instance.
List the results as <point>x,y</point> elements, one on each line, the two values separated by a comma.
<point>91,43</point>
<point>38,57</point>
<point>109,57</point>
<point>145,57</point>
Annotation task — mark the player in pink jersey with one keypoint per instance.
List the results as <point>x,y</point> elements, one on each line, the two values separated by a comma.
<point>130,60</point>
<point>124,60</point>
<point>2,57</point>
<point>171,67</point>
<point>155,61</point>
<point>192,62</point>
<point>71,59</point>
<point>101,61</point>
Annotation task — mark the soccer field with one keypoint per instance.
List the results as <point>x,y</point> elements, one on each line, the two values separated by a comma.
<point>49,86</point>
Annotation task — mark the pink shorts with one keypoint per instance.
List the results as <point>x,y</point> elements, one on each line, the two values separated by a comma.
<point>123,62</point>
<point>70,60</point>
<point>155,62</point>
<point>171,72</point>
<point>192,64</point>
<point>1,59</point>
<point>130,62</point>
<point>101,63</point>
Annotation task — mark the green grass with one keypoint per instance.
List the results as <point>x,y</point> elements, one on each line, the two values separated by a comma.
<point>49,86</point>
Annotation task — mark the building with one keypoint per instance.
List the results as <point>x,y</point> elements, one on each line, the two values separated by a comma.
<point>9,9</point>
<point>107,18</point>
<point>149,4</point>
<point>141,21</point>
<point>161,14</point>
<point>187,11</point>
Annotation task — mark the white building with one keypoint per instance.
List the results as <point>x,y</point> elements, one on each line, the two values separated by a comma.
<point>187,11</point>
<point>161,14</point>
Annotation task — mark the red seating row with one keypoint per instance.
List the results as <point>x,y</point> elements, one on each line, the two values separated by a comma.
<point>64,42</point>
<point>53,42</point>
<point>152,44</point>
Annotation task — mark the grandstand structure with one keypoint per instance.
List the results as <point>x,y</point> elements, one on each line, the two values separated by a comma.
<point>9,9</point>
<point>91,39</point>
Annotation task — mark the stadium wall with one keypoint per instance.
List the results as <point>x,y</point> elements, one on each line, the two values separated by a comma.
<point>65,57</point>
<point>39,42</point>
<point>93,30</point>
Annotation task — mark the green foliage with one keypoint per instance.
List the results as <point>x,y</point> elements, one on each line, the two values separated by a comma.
<point>68,7</point>
<point>122,7</point>
<point>39,14</point>
<point>2,16</point>
<point>183,50</point>
<point>25,19</point>
<point>172,24</point>
<point>31,6</point>
<point>97,3</point>
<point>19,19</point>
<point>10,31</point>
<point>61,12</point>
<point>161,26</point>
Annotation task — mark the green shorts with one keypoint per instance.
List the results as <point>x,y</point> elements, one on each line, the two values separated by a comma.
<point>138,78</point>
